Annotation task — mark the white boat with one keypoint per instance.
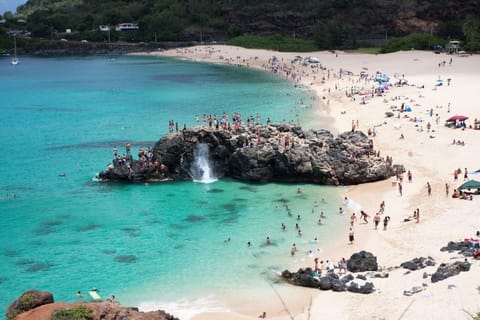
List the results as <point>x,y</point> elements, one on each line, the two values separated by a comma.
<point>15,59</point>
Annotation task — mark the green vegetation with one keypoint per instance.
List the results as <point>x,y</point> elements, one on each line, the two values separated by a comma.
<point>471,29</point>
<point>277,43</point>
<point>75,313</point>
<point>368,50</point>
<point>26,303</point>
<point>415,41</point>
<point>275,24</point>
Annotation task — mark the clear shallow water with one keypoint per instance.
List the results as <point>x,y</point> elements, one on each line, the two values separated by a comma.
<point>148,244</point>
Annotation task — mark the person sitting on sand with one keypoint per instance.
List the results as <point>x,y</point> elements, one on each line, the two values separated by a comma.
<point>476,254</point>
<point>456,194</point>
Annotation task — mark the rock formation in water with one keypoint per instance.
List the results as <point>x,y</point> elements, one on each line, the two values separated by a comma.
<point>35,305</point>
<point>260,153</point>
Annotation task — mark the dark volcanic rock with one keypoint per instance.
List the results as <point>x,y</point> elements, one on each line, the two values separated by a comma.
<point>466,248</point>
<point>446,270</point>
<point>418,263</point>
<point>254,154</point>
<point>303,277</point>
<point>338,285</point>
<point>362,261</point>
<point>306,278</point>
<point>367,288</point>
<point>325,283</point>
<point>347,278</point>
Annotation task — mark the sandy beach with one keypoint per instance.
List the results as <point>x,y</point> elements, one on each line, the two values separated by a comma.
<point>417,139</point>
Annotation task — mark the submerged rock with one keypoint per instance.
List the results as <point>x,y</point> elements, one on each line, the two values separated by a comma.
<point>260,153</point>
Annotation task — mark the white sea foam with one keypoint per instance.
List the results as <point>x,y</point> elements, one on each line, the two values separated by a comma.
<point>352,205</point>
<point>184,308</point>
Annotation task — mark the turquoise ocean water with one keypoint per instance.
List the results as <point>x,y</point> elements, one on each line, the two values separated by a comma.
<point>155,245</point>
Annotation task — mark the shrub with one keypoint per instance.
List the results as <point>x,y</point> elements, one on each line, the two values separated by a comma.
<point>417,41</point>
<point>276,42</point>
<point>75,313</point>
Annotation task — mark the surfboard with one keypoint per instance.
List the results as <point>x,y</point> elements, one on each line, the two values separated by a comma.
<point>95,296</point>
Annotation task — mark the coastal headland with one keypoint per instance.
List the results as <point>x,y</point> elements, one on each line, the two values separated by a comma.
<point>409,125</point>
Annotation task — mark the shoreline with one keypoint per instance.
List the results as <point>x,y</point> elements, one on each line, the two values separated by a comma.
<point>420,151</point>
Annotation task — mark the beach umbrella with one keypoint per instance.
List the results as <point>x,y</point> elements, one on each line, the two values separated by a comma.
<point>457,117</point>
<point>471,184</point>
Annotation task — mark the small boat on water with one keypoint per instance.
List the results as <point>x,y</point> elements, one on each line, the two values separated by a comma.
<point>15,59</point>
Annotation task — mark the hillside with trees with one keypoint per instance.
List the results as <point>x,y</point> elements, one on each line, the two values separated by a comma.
<point>325,24</point>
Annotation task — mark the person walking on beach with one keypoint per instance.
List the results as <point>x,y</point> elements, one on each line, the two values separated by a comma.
<point>385,222</point>
<point>447,188</point>
<point>465,174</point>
<point>351,236</point>
<point>353,219</point>
<point>417,216</point>
<point>364,216</point>
<point>429,189</point>
<point>400,188</point>
<point>376,220</point>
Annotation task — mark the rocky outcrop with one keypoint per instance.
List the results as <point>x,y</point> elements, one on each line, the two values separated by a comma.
<point>35,305</point>
<point>362,261</point>
<point>359,262</point>
<point>446,270</point>
<point>28,300</point>
<point>418,263</point>
<point>331,281</point>
<point>465,248</point>
<point>260,153</point>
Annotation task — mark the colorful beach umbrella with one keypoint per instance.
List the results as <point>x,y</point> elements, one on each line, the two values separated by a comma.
<point>457,117</point>
<point>472,184</point>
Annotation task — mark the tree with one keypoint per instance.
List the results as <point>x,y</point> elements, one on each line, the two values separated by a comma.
<point>471,30</point>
